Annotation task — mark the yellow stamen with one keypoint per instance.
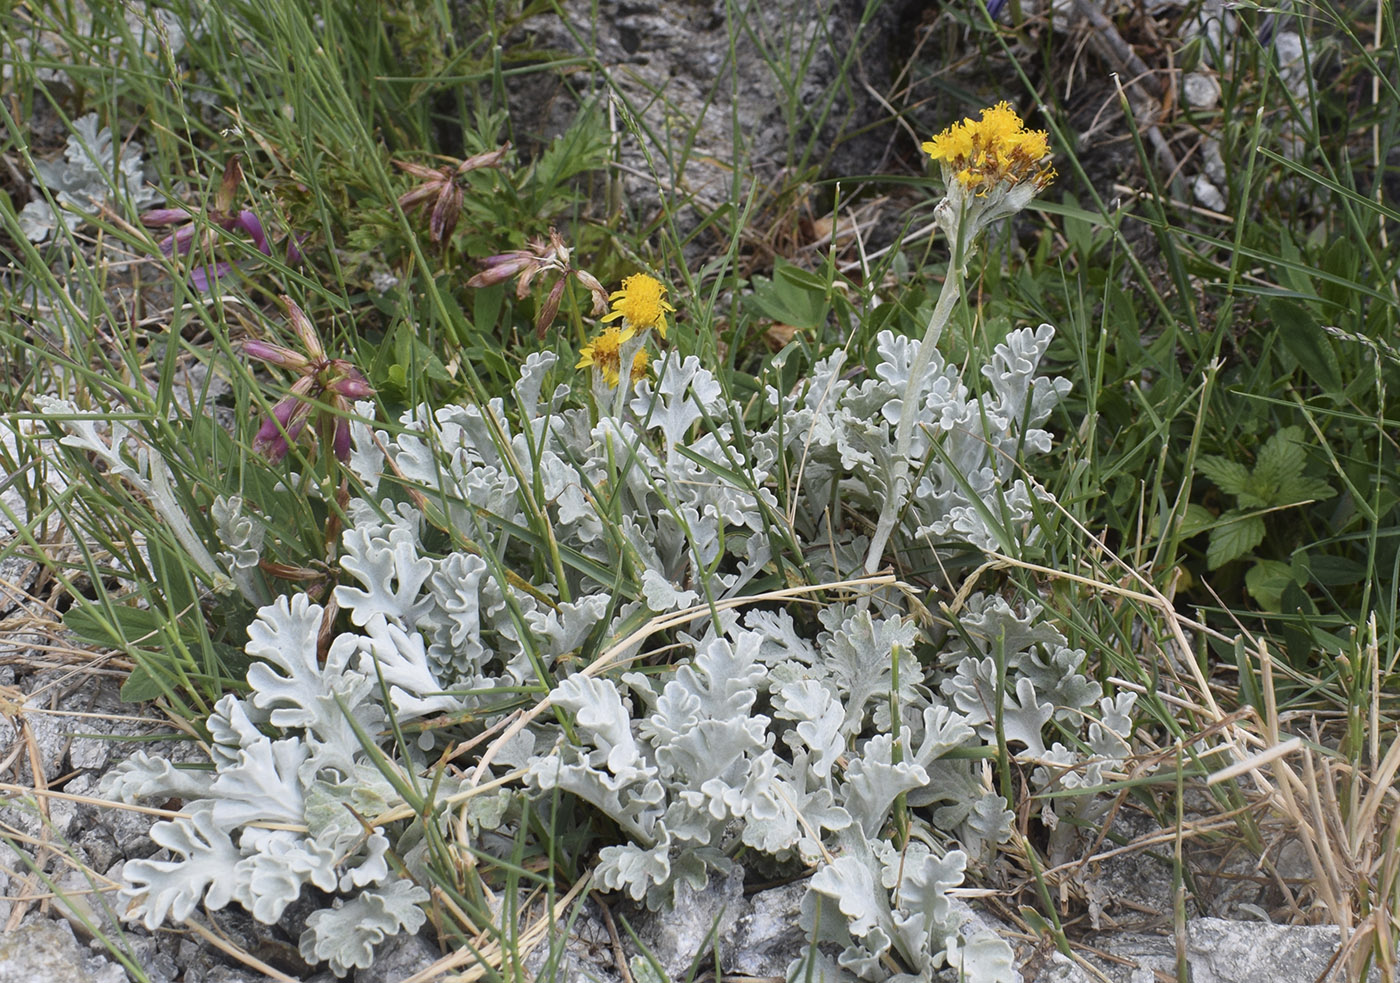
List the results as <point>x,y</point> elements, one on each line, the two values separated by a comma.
<point>641,303</point>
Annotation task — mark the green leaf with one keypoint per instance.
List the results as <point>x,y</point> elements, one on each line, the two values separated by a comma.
<point>793,296</point>
<point>141,685</point>
<point>1304,489</point>
<point>1236,535</point>
<point>1266,581</point>
<point>1335,571</point>
<point>1278,474</point>
<point>1229,476</point>
<point>131,625</point>
<point>1194,521</point>
<point>1280,461</point>
<point>1305,340</point>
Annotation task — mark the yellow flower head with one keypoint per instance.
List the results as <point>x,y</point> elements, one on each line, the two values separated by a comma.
<point>641,365</point>
<point>604,353</point>
<point>997,149</point>
<point>641,303</point>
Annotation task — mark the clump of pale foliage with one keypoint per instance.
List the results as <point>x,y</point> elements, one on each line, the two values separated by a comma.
<point>794,741</point>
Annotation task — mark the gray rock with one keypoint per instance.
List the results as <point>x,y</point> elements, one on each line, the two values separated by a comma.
<point>1218,950</point>
<point>766,935</point>
<point>1200,91</point>
<point>398,959</point>
<point>24,815</point>
<point>108,834</point>
<point>580,951</point>
<point>145,951</point>
<point>1207,194</point>
<point>1288,45</point>
<point>701,74</point>
<point>701,924</point>
<point>229,974</point>
<point>86,911</point>
<point>17,575</point>
<point>48,735</point>
<point>45,950</point>
<point>1223,951</point>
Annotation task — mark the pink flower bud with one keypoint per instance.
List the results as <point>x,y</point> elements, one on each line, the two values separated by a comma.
<point>276,355</point>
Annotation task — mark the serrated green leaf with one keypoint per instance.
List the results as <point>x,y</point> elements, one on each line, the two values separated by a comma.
<point>1194,520</point>
<point>1229,476</point>
<point>1233,538</point>
<point>1266,581</point>
<point>1304,489</point>
<point>1281,460</point>
<point>1197,519</point>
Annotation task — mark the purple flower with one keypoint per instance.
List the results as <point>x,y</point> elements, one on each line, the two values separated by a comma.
<point>552,256</point>
<point>185,228</point>
<point>330,381</point>
<point>439,186</point>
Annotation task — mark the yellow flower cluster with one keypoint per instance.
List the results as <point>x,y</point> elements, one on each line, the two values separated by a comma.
<point>640,305</point>
<point>997,149</point>
<point>604,353</point>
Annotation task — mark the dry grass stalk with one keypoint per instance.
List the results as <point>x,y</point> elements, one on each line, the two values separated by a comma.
<point>1342,806</point>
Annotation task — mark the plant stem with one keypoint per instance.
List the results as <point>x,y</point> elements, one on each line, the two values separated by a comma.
<point>913,389</point>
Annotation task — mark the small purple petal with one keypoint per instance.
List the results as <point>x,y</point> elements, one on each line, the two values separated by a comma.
<point>265,351</point>
<point>445,210</point>
<point>251,224</point>
<point>178,241</point>
<point>164,216</point>
<point>287,421</point>
<point>201,277</point>
<point>294,248</point>
<point>340,440</point>
<point>352,387</point>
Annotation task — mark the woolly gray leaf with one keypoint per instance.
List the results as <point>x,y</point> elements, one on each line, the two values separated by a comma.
<point>682,393</point>
<point>391,573</point>
<point>304,694</point>
<point>275,867</point>
<point>635,870</point>
<point>850,882</point>
<point>1024,718</point>
<point>206,870</point>
<point>455,588</point>
<point>262,784</point>
<point>144,777</point>
<point>860,653</point>
<point>820,718</point>
<point>874,780</point>
<point>779,637</point>
<point>925,917</point>
<point>662,596</point>
<point>600,715</point>
<point>346,936</point>
<point>984,958</point>
<point>797,823</point>
<point>942,731</point>
<point>724,675</point>
<point>388,652</point>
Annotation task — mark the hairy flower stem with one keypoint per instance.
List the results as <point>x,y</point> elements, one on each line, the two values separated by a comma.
<point>904,431</point>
